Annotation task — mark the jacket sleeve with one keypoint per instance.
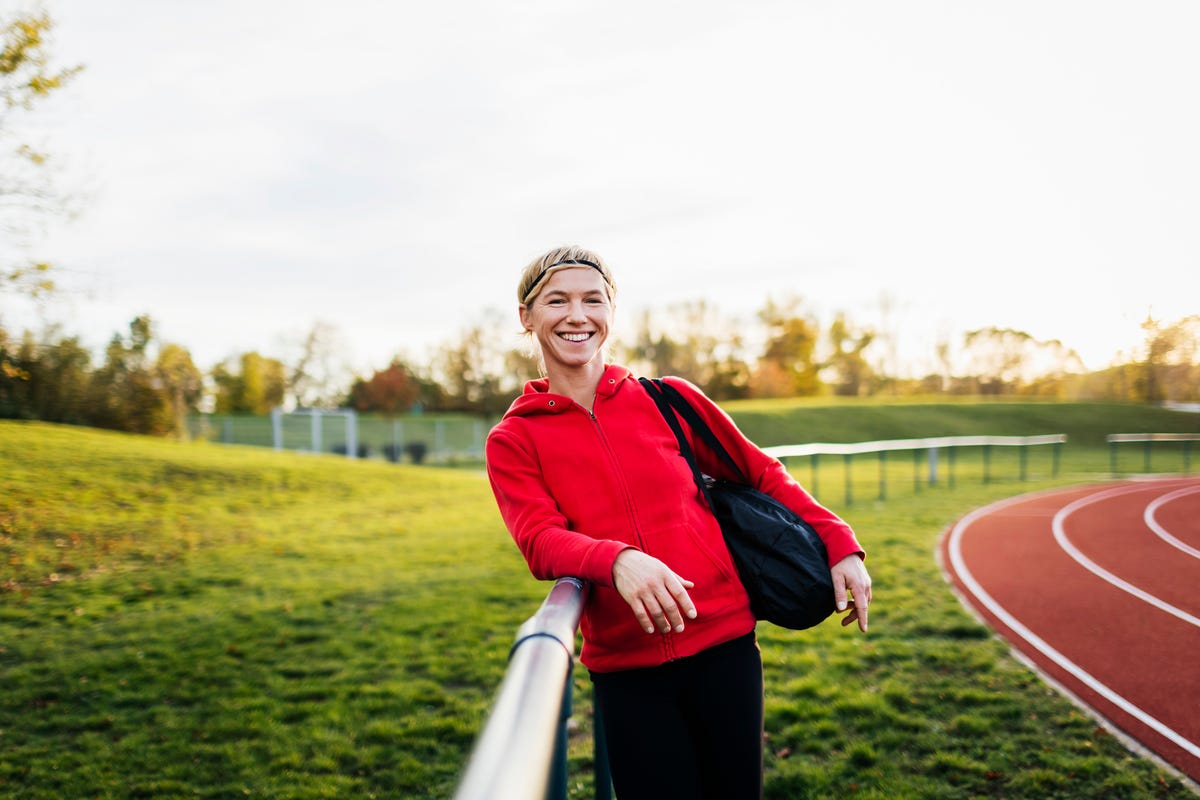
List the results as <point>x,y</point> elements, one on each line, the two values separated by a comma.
<point>551,549</point>
<point>766,474</point>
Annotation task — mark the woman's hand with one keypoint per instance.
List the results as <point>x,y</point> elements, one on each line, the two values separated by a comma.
<point>657,595</point>
<point>850,574</point>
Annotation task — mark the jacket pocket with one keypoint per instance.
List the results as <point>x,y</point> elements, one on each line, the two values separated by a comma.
<point>696,556</point>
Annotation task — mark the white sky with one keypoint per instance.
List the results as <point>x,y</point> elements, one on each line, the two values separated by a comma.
<point>388,167</point>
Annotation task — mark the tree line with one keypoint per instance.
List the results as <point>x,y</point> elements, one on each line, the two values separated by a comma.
<point>144,385</point>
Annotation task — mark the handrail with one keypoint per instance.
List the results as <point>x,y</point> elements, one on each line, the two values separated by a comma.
<point>857,448</point>
<point>1152,437</point>
<point>1148,439</point>
<point>513,755</point>
<point>932,445</point>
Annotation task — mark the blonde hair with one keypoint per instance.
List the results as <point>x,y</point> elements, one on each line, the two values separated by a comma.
<point>533,277</point>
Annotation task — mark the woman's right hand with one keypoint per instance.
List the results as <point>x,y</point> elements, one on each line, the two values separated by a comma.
<point>657,595</point>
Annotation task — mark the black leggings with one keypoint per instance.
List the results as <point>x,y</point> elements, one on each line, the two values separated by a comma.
<point>690,728</point>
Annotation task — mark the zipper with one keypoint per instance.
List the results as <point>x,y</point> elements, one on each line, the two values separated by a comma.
<point>630,511</point>
<point>667,639</point>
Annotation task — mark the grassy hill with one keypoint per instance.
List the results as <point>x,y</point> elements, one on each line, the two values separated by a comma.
<point>193,620</point>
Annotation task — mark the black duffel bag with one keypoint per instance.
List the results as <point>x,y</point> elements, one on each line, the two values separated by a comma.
<point>780,559</point>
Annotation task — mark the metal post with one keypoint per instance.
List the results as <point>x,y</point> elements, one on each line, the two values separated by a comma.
<point>987,457</point>
<point>1024,459</point>
<point>277,427</point>
<point>556,789</point>
<point>815,458</point>
<point>397,440</point>
<point>916,470</point>
<point>1057,456</point>
<point>882,474</point>
<point>846,460</point>
<point>1112,456</point>
<point>1146,454</point>
<point>316,430</point>
<point>933,466</point>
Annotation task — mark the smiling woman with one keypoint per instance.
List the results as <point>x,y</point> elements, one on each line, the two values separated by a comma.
<point>590,482</point>
<point>567,298</point>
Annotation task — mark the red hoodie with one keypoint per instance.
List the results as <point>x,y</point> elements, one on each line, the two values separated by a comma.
<point>575,488</point>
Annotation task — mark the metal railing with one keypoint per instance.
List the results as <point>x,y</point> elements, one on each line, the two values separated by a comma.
<point>521,753</point>
<point>1147,440</point>
<point>929,446</point>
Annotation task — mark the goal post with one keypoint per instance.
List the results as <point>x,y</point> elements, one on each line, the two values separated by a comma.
<point>312,429</point>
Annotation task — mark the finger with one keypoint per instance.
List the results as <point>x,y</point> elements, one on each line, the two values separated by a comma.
<point>853,615</point>
<point>677,605</point>
<point>862,594</point>
<point>643,616</point>
<point>839,590</point>
<point>657,613</point>
<point>683,599</point>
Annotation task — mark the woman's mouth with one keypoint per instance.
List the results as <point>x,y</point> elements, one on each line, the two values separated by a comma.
<point>575,337</point>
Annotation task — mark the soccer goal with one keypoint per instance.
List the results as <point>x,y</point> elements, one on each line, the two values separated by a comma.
<point>316,430</point>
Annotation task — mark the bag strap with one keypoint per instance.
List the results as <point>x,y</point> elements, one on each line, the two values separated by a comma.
<point>654,388</point>
<point>677,401</point>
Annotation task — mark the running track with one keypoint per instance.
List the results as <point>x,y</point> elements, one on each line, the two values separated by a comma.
<point>1100,587</point>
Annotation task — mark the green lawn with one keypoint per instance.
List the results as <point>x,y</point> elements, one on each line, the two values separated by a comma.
<point>195,620</point>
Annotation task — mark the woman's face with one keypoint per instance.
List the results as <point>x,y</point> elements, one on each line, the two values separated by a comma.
<point>570,317</point>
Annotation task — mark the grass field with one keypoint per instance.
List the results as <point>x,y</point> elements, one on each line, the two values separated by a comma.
<point>192,620</point>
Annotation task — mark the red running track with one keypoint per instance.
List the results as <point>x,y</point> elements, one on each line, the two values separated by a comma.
<point>1100,587</point>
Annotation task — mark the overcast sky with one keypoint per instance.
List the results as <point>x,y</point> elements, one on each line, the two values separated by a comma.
<point>388,167</point>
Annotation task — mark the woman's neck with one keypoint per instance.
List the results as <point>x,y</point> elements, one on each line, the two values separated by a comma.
<point>578,384</point>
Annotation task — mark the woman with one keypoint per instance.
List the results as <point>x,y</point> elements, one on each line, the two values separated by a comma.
<point>591,484</point>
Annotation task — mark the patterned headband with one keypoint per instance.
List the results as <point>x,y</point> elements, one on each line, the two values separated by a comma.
<point>582,262</point>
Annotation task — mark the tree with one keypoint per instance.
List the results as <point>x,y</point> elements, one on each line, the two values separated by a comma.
<point>851,369</point>
<point>181,384</point>
<point>124,393</point>
<point>319,376</point>
<point>249,384</point>
<point>1008,361</point>
<point>59,377</point>
<point>788,365</point>
<point>479,373</point>
<point>690,340</point>
<point>27,191</point>
<point>1170,366</point>
<point>391,391</point>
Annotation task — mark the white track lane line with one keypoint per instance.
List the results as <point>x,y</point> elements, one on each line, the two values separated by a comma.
<point>1040,644</point>
<point>1162,532</point>
<point>1060,536</point>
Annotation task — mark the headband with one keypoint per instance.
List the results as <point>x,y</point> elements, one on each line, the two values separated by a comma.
<point>582,262</point>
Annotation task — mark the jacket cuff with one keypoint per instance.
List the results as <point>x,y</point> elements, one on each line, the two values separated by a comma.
<point>599,562</point>
<point>846,547</point>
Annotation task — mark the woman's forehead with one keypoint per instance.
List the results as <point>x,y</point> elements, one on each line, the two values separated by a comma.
<point>576,279</point>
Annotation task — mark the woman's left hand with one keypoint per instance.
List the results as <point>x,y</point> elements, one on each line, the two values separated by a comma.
<point>850,576</point>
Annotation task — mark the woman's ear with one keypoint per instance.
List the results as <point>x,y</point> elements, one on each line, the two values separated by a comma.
<point>526,323</point>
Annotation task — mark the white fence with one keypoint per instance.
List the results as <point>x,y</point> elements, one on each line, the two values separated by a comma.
<point>1148,440</point>
<point>930,447</point>
<point>431,438</point>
